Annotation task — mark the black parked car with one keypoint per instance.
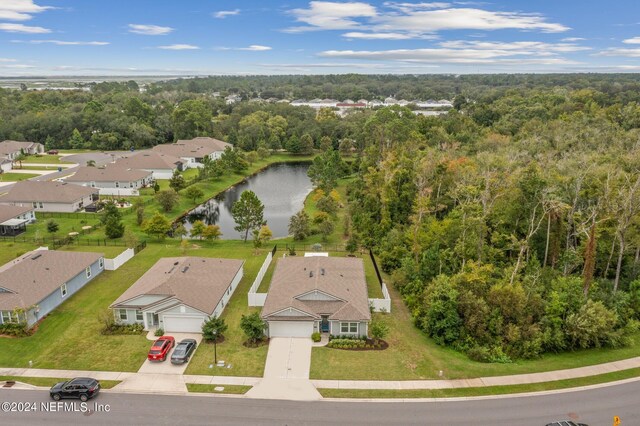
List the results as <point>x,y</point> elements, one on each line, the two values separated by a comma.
<point>83,388</point>
<point>183,351</point>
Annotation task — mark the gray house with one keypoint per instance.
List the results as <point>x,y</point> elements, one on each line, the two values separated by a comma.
<point>317,294</point>
<point>112,180</point>
<point>50,196</point>
<point>193,151</point>
<point>37,282</point>
<point>13,219</point>
<point>11,149</point>
<point>160,165</point>
<point>178,294</point>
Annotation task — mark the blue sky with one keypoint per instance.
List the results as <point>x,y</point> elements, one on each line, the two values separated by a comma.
<point>189,37</point>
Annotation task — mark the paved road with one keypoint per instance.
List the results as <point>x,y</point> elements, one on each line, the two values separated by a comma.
<point>595,407</point>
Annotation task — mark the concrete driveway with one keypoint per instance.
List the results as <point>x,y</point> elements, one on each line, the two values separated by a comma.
<point>286,373</point>
<point>165,367</point>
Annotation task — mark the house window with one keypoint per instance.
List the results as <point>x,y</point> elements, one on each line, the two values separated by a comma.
<point>6,317</point>
<point>123,314</point>
<point>35,205</point>
<point>40,204</point>
<point>101,262</point>
<point>139,316</point>
<point>117,184</point>
<point>88,271</point>
<point>93,184</point>
<point>63,289</point>
<point>349,327</point>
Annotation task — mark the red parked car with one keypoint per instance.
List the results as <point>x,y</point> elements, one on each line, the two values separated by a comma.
<point>161,348</point>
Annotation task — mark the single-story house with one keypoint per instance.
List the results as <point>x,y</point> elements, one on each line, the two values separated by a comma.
<point>160,165</point>
<point>37,282</point>
<point>317,294</point>
<point>5,164</point>
<point>178,294</point>
<point>11,149</point>
<point>193,151</point>
<point>50,196</point>
<point>112,180</point>
<point>13,219</point>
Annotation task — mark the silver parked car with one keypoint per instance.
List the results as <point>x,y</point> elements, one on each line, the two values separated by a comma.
<point>183,351</point>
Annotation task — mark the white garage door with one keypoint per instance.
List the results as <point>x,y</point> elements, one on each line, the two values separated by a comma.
<point>184,324</point>
<point>290,328</point>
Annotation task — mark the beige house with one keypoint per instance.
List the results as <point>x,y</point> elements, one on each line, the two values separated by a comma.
<point>112,180</point>
<point>317,294</point>
<point>193,151</point>
<point>178,294</point>
<point>13,219</point>
<point>160,165</point>
<point>50,196</point>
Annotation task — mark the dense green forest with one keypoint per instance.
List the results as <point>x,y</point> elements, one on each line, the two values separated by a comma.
<point>510,225</point>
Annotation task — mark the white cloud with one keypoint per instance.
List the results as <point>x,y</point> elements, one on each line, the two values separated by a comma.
<point>414,19</point>
<point>631,53</point>
<point>634,40</point>
<point>64,43</point>
<point>572,39</point>
<point>179,47</point>
<point>522,47</point>
<point>7,60</point>
<point>19,28</point>
<point>19,10</point>
<point>377,36</point>
<point>149,29</point>
<point>224,13</point>
<point>252,48</point>
<point>323,15</point>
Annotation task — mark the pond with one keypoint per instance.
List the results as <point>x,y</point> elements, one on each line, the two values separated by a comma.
<point>282,188</point>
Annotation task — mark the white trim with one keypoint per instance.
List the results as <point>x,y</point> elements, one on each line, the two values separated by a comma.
<point>87,271</point>
<point>289,308</point>
<point>126,315</point>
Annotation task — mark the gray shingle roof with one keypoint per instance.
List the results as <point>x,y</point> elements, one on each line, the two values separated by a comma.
<point>343,279</point>
<point>198,282</point>
<point>9,212</point>
<point>37,274</point>
<point>111,173</point>
<point>197,147</point>
<point>28,191</point>
<point>148,160</point>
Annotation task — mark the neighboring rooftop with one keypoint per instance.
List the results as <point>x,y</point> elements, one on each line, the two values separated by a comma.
<point>9,147</point>
<point>110,173</point>
<point>148,160</point>
<point>9,212</point>
<point>218,145</point>
<point>28,191</point>
<point>343,278</point>
<point>32,277</point>
<point>198,282</point>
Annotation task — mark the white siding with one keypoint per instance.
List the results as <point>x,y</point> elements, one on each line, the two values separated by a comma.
<point>182,323</point>
<point>316,295</point>
<point>290,328</point>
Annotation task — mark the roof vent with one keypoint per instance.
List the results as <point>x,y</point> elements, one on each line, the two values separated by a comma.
<point>176,264</point>
<point>185,269</point>
<point>321,271</point>
<point>36,256</point>
<point>310,274</point>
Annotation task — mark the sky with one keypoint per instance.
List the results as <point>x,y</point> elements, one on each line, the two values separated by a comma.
<point>210,37</point>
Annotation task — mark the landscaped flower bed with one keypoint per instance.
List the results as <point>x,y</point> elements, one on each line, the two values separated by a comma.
<point>352,344</point>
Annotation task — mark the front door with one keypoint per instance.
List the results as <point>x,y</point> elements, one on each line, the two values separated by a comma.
<point>324,325</point>
<point>152,319</point>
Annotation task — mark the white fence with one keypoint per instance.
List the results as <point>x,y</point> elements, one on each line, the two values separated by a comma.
<point>253,297</point>
<point>119,192</point>
<point>382,305</point>
<point>119,260</point>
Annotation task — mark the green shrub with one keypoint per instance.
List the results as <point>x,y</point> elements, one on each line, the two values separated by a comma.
<point>14,329</point>
<point>159,332</point>
<point>123,329</point>
<point>316,337</point>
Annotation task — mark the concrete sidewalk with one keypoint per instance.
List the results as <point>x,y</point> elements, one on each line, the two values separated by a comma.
<point>272,387</point>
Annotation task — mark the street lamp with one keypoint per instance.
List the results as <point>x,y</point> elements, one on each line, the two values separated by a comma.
<point>214,332</point>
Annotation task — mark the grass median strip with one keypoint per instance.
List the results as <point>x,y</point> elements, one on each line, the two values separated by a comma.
<point>50,381</point>
<point>231,389</point>
<point>479,391</point>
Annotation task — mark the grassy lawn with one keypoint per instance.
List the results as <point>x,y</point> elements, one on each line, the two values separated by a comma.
<point>43,159</point>
<point>479,391</point>
<point>50,381</point>
<point>244,361</point>
<point>52,168</point>
<point>16,177</point>
<point>38,229</point>
<point>412,356</point>
<point>266,280</point>
<point>230,389</point>
<point>10,250</point>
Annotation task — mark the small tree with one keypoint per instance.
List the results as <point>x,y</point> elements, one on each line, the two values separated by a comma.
<point>262,236</point>
<point>213,329</point>
<point>91,163</point>
<point>197,229</point>
<point>158,226</point>
<point>184,247</point>
<point>180,231</point>
<point>252,157</point>
<point>156,187</point>
<point>193,193</point>
<point>299,225</point>
<point>177,181</point>
<point>113,227</point>
<point>131,239</point>
<point>52,226</point>
<point>110,210</point>
<point>353,244</point>
<point>211,232</point>
<point>167,199</point>
<point>306,144</point>
<point>326,228</point>
<point>253,326</point>
<point>139,212</point>
<point>379,330</point>
<point>247,213</point>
